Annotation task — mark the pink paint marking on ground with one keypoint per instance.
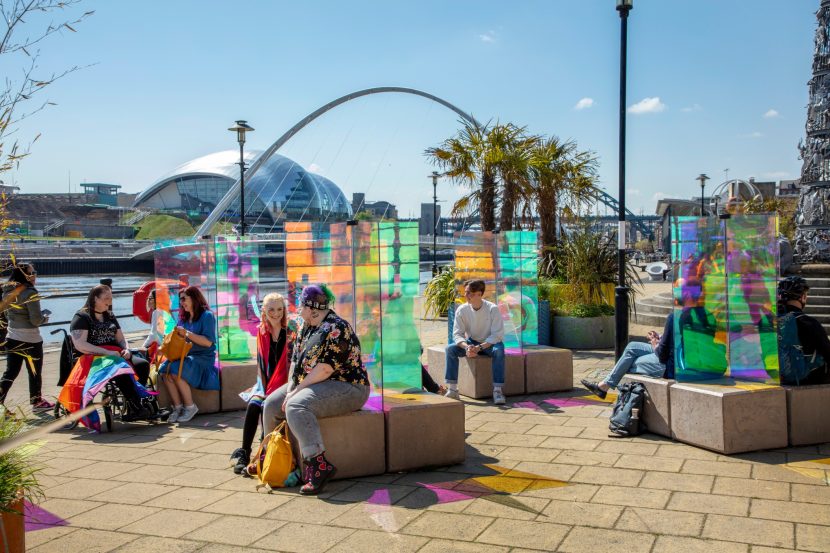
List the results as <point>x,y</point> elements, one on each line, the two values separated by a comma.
<point>573,402</point>
<point>380,497</point>
<point>527,405</point>
<point>446,495</point>
<point>37,518</point>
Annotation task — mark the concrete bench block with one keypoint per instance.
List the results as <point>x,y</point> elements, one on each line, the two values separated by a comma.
<point>657,408</point>
<point>423,430</point>
<point>548,369</point>
<point>729,417</point>
<point>808,414</point>
<point>355,443</point>
<point>475,376</point>
<point>236,377</point>
<point>206,400</point>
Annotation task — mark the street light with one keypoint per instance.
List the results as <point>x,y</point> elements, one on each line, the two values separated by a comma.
<point>621,291</point>
<point>702,178</point>
<point>240,129</point>
<point>434,176</point>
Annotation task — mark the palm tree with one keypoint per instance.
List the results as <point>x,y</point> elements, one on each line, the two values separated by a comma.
<point>514,148</point>
<point>469,160</point>
<point>564,179</point>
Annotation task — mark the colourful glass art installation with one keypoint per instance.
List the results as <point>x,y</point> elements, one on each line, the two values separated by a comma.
<point>237,296</point>
<point>724,298</point>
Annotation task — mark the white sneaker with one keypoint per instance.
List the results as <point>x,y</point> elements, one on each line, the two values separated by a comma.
<point>452,394</point>
<point>175,413</point>
<point>498,397</point>
<point>188,413</point>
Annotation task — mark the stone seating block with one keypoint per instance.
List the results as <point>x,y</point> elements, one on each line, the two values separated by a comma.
<point>207,400</point>
<point>548,369</point>
<point>729,417</point>
<point>423,430</point>
<point>355,443</point>
<point>657,407</point>
<point>475,376</point>
<point>808,414</point>
<point>236,377</point>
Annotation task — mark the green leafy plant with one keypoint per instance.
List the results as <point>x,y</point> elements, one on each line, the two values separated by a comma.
<point>440,293</point>
<point>17,471</point>
<point>583,310</point>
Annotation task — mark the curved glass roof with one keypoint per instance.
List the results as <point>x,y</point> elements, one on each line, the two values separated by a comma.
<point>281,189</point>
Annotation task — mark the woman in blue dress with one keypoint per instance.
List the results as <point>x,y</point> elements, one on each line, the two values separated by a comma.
<point>197,325</point>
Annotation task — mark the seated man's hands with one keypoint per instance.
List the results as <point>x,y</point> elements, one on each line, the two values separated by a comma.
<point>472,350</point>
<point>653,338</point>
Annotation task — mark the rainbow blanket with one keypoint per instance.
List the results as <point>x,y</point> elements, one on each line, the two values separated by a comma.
<point>88,377</point>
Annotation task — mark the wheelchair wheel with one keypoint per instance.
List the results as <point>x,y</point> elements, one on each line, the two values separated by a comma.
<point>60,412</point>
<point>108,417</point>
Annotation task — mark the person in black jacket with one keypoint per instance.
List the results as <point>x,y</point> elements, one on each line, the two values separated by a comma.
<point>792,292</point>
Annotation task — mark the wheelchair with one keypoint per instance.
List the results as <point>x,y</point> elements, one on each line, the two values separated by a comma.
<point>114,404</point>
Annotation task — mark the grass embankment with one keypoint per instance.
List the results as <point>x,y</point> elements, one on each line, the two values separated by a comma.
<point>156,227</point>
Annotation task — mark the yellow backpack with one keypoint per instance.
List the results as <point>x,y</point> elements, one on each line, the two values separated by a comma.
<point>274,459</point>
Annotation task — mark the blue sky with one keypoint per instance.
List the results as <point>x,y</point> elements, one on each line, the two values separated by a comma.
<point>720,84</point>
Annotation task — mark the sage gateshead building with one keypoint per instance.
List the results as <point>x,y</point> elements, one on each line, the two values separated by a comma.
<point>279,190</point>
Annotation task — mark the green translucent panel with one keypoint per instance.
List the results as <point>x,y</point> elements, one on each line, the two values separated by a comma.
<point>724,317</point>
<point>517,288</point>
<point>237,297</point>
<point>367,299</point>
<point>752,278</point>
<point>399,264</point>
<point>182,263</point>
<point>700,314</point>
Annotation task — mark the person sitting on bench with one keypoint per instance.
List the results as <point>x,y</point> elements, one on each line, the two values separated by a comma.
<point>655,358</point>
<point>792,293</point>
<point>478,330</point>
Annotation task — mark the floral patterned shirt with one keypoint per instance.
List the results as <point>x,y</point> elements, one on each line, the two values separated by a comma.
<point>334,343</point>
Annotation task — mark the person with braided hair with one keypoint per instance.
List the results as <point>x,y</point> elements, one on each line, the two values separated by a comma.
<point>327,379</point>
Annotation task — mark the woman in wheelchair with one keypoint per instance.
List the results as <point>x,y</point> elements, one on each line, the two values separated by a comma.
<point>94,327</point>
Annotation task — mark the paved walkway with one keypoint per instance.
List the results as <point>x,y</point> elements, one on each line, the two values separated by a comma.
<point>541,475</point>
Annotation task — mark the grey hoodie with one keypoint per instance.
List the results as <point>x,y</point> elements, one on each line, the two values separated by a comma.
<point>25,316</point>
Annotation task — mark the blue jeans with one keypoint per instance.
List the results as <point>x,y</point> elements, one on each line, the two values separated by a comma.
<point>496,352</point>
<point>637,358</point>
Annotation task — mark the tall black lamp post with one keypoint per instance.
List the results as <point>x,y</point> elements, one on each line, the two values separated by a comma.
<point>621,291</point>
<point>434,176</point>
<point>702,178</point>
<point>240,129</point>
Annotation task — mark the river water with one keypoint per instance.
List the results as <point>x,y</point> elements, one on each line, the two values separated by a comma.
<point>63,308</point>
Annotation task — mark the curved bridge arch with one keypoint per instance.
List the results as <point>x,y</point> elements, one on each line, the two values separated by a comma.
<point>233,192</point>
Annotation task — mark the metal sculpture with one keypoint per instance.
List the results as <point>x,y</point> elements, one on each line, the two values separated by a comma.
<point>812,237</point>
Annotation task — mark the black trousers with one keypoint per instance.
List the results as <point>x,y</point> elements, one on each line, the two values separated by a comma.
<point>17,354</point>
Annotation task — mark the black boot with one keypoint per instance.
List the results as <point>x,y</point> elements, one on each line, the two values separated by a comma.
<point>240,459</point>
<point>317,472</point>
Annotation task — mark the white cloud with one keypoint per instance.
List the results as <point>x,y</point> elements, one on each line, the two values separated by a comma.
<point>771,114</point>
<point>316,169</point>
<point>693,107</point>
<point>647,105</point>
<point>584,103</point>
<point>489,36</point>
<point>756,134</point>
<point>775,175</point>
<point>658,196</point>
<point>633,192</point>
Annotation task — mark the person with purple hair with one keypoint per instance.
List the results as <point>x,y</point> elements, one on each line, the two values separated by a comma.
<point>327,379</point>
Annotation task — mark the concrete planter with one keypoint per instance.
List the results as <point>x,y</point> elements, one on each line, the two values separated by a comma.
<point>583,332</point>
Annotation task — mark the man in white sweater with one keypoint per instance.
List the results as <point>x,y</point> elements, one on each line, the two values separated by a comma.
<point>478,330</point>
